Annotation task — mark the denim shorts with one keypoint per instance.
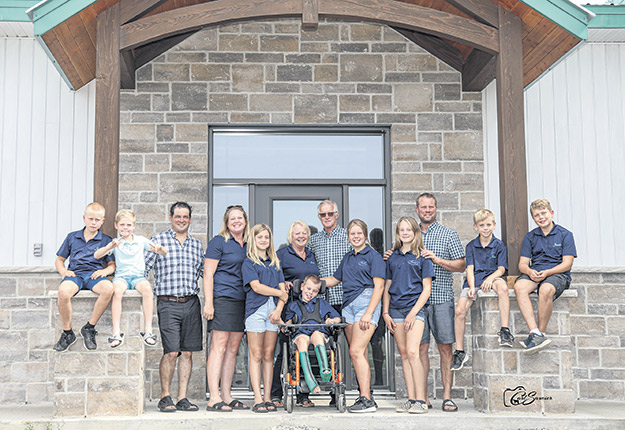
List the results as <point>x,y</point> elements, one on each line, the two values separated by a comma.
<point>130,280</point>
<point>440,320</point>
<point>356,309</point>
<point>399,315</point>
<point>84,281</point>
<point>259,322</point>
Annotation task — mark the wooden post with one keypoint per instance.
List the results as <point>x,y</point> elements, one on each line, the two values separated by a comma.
<point>106,162</point>
<point>511,133</point>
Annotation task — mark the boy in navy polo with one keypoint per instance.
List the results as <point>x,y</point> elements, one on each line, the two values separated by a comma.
<point>487,261</point>
<point>547,255</point>
<point>304,337</point>
<point>84,272</point>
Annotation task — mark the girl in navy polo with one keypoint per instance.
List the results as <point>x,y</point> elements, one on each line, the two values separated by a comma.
<point>264,301</point>
<point>408,286</point>
<point>224,306</point>
<point>362,272</point>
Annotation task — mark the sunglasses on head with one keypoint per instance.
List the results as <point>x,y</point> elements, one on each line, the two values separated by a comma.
<point>325,214</point>
<point>234,207</point>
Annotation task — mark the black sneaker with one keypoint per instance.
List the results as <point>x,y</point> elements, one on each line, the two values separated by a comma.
<point>535,343</point>
<point>505,337</point>
<point>362,405</point>
<point>65,341</point>
<point>88,337</point>
<point>458,360</point>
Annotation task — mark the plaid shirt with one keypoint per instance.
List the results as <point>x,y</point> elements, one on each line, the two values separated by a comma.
<point>329,250</point>
<point>445,243</point>
<point>177,273</point>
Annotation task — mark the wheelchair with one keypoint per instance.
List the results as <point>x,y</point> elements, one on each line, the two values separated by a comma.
<point>291,374</point>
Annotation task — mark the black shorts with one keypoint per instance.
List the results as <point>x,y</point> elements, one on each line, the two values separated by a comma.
<point>559,281</point>
<point>180,325</point>
<point>229,315</point>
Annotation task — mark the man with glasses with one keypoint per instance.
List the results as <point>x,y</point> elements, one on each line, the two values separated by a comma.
<point>329,247</point>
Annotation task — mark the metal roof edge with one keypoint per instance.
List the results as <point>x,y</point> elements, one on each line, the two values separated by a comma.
<point>47,14</point>
<point>607,16</point>
<point>571,17</point>
<point>15,10</point>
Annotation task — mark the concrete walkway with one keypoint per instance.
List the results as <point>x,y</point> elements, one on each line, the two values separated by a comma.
<point>589,415</point>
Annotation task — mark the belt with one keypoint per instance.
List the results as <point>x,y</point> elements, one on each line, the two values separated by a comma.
<point>183,299</point>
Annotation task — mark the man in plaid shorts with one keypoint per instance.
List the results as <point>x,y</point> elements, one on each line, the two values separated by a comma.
<point>443,247</point>
<point>179,312</point>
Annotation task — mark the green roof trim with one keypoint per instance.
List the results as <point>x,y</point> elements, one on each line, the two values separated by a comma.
<point>569,16</point>
<point>49,13</point>
<point>15,10</point>
<point>607,16</point>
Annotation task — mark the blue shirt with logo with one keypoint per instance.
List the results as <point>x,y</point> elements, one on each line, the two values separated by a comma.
<point>485,259</point>
<point>357,271</point>
<point>547,251</point>
<point>264,273</point>
<point>407,271</point>
<point>227,280</point>
<point>294,267</point>
<point>325,310</point>
<point>80,252</point>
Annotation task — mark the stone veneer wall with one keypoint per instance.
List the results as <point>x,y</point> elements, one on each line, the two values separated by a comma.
<point>273,72</point>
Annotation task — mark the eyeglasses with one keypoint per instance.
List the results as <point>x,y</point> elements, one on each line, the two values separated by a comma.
<point>234,207</point>
<point>326,214</point>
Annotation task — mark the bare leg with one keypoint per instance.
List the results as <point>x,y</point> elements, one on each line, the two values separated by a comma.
<point>400,338</point>
<point>229,364</point>
<point>145,289</point>
<point>446,375</point>
<point>67,290</point>
<point>255,344</point>
<point>464,304</point>
<point>424,349</point>
<point>545,305</point>
<point>119,287</point>
<point>269,345</point>
<point>214,363</point>
<point>166,372</point>
<point>504,303</point>
<point>419,377</point>
<point>185,364</point>
<point>522,289</point>
<point>104,289</point>
<point>357,351</point>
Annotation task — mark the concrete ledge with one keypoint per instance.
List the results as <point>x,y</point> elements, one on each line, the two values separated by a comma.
<point>567,294</point>
<point>86,294</point>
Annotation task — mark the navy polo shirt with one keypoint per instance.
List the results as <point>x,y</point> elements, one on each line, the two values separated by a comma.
<point>407,271</point>
<point>485,259</point>
<point>547,251</point>
<point>294,267</point>
<point>357,271</point>
<point>267,275</point>
<point>227,280</point>
<point>325,310</point>
<point>80,253</point>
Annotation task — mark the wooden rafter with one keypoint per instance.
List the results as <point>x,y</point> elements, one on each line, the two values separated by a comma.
<point>435,46</point>
<point>484,11</point>
<point>131,10</point>
<point>310,14</point>
<point>478,71</point>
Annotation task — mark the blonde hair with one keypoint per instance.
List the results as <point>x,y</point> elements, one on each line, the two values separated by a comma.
<point>95,207</point>
<point>540,204</point>
<point>363,226</point>
<point>483,214</point>
<point>125,213</point>
<point>313,279</point>
<point>289,233</point>
<point>252,251</point>
<point>416,246</point>
<point>224,232</point>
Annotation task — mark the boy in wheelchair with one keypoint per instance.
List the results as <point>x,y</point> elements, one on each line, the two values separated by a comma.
<point>309,309</point>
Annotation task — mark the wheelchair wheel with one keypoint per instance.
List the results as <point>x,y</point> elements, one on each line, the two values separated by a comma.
<point>289,403</point>
<point>285,369</point>
<point>341,402</point>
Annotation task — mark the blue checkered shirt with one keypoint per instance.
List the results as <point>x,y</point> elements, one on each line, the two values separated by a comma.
<point>445,243</point>
<point>329,251</point>
<point>177,273</point>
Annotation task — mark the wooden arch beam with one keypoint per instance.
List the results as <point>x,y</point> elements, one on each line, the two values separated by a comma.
<point>390,12</point>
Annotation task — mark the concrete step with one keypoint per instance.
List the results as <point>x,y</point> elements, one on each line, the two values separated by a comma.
<point>589,414</point>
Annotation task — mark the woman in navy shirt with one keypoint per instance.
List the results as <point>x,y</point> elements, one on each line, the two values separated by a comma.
<point>362,272</point>
<point>296,262</point>
<point>408,286</point>
<point>264,301</point>
<point>224,306</point>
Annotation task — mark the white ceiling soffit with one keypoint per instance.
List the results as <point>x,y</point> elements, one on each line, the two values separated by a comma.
<point>606,35</point>
<point>16,29</point>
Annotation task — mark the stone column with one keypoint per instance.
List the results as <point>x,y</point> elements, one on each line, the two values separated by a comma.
<point>105,381</point>
<point>507,379</point>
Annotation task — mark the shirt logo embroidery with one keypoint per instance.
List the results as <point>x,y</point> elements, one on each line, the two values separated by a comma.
<point>413,262</point>
<point>362,263</point>
<point>557,245</point>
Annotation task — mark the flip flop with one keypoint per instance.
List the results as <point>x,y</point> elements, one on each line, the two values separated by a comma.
<point>186,405</point>
<point>257,408</point>
<point>148,336</point>
<point>166,404</point>
<point>270,407</point>
<point>237,404</point>
<point>219,407</point>
<point>449,403</point>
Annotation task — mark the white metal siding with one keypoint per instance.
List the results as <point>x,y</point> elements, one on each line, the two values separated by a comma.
<point>46,158</point>
<point>575,138</point>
